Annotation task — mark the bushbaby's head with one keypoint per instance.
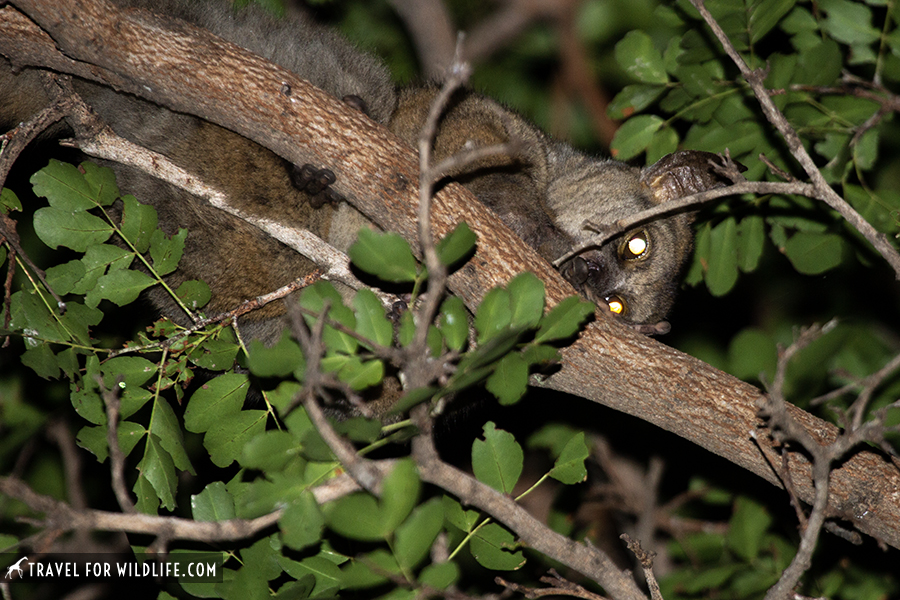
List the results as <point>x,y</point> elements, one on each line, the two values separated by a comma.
<point>637,273</point>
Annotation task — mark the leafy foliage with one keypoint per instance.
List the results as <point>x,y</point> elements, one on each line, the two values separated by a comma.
<point>278,442</point>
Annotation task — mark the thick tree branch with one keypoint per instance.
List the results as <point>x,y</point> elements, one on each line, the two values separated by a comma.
<point>192,71</point>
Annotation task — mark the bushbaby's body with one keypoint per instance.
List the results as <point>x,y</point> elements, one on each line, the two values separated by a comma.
<point>546,192</point>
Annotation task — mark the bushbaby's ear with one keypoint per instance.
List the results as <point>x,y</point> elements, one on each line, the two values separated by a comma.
<point>683,173</point>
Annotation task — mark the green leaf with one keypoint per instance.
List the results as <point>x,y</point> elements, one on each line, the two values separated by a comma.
<point>369,570</point>
<point>121,287</point>
<point>454,514</point>
<point>634,136</point>
<point>166,251</point>
<point>64,187</point>
<point>665,141</point>
<point>370,320</point>
<point>454,324</point>
<point>98,260</point>
<point>302,523</point>
<point>385,255</point>
<point>820,64</point>
<point>9,202</point>
<point>540,355</point>
<point>636,54</point>
<point>125,372</point>
<point>215,354</point>
<point>751,238</point>
<point>270,451</point>
<point>456,245</point>
<point>564,320</point>
<point>509,381</point>
<point>553,436</point>
<point>226,439</point>
<point>195,294</point>
<point>497,459</point>
<point>214,503</point>
<point>102,183</point>
<point>633,99</point>
<point>880,208</point>
<point>485,354</point>
<point>88,404</point>
<point>93,439</point>
<point>280,360</point>
<point>360,429</point>
<point>747,528</point>
<point>217,398</point>
<point>526,296</point>
<point>42,361</point>
<point>164,424</point>
<point>494,548</point>
<point>493,315</point>
<point>849,22</point>
<point>751,353</point>
<point>413,398</point>
<point>440,576</point>
<point>63,278</point>
<point>722,272</point>
<point>138,223</point>
<point>147,501</point>
<point>766,15</point>
<point>415,537</point>
<point>400,493</point>
<point>326,573</point>
<point>158,468</point>
<point>357,517</point>
<point>75,230</point>
<point>314,298</point>
<point>569,467</point>
<point>406,332</point>
<point>813,253</point>
<point>360,375</point>
<point>133,400</point>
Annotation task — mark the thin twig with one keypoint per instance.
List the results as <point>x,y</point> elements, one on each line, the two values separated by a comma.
<point>646,559</point>
<point>684,204</point>
<point>437,271</point>
<point>558,587</point>
<point>116,457</point>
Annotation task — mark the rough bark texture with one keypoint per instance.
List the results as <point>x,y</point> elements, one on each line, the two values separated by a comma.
<point>191,71</point>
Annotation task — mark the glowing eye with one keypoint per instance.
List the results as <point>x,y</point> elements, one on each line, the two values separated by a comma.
<point>616,305</point>
<point>636,246</point>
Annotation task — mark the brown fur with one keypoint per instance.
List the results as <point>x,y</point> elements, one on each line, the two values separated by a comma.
<point>546,191</point>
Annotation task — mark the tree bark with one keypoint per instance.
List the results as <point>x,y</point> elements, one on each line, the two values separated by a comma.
<point>192,71</point>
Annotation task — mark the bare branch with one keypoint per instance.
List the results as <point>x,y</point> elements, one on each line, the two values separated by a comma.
<point>116,457</point>
<point>559,586</point>
<point>645,558</point>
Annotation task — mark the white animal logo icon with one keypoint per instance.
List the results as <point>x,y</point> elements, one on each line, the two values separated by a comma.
<point>16,567</point>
